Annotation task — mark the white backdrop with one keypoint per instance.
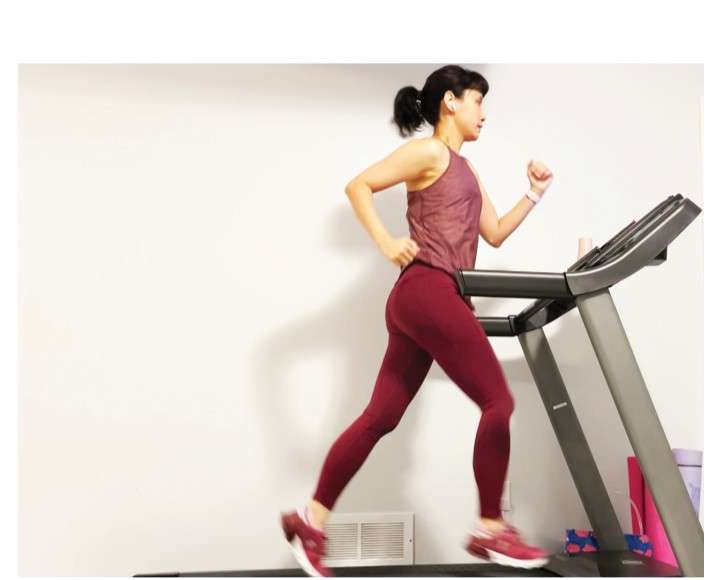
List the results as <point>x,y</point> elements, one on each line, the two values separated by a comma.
<point>201,313</point>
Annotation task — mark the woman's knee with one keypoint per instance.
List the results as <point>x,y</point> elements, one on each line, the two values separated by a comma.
<point>501,406</point>
<point>381,423</point>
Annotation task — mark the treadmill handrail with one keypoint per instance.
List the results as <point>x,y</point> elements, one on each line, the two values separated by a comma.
<point>655,236</point>
<point>512,284</point>
<point>639,255</point>
<point>646,224</point>
<point>631,230</point>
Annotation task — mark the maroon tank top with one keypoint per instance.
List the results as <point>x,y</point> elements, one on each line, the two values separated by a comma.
<point>444,219</point>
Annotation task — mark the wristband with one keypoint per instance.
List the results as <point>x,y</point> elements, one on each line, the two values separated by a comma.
<point>532,196</point>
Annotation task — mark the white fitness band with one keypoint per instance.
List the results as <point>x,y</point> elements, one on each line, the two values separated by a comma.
<point>532,196</point>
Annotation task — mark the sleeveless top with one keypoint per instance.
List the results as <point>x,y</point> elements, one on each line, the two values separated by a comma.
<point>444,219</point>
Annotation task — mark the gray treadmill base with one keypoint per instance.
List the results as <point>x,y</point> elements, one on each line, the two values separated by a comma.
<point>595,564</point>
<point>612,564</point>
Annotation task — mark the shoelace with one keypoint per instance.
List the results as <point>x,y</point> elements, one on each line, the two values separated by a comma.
<point>510,530</point>
<point>507,536</point>
<point>312,544</point>
<point>319,544</point>
<point>513,531</point>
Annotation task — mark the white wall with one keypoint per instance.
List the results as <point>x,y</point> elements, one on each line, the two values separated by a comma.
<point>201,314</point>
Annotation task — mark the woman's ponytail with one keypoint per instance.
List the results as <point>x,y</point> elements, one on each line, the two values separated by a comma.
<point>407,111</point>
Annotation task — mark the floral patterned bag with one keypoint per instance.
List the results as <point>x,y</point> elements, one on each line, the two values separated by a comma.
<point>581,541</point>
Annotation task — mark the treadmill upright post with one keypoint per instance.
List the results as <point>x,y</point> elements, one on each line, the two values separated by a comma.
<point>644,429</point>
<point>571,438</point>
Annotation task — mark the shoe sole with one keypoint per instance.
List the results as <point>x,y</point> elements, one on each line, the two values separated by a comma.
<point>505,560</point>
<point>295,543</point>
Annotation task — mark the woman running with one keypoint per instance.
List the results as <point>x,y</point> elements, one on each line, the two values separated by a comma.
<point>426,316</point>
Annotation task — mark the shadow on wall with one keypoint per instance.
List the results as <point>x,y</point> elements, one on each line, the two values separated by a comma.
<point>350,331</point>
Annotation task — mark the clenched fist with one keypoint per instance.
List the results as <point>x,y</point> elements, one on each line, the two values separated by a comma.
<point>400,251</point>
<point>539,175</point>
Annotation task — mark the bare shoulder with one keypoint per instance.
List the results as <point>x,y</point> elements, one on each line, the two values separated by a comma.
<point>431,153</point>
<point>431,158</point>
<point>427,154</point>
<point>426,149</point>
<point>431,146</point>
<point>410,162</point>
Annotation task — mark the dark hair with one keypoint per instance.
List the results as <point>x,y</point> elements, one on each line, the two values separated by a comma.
<point>409,115</point>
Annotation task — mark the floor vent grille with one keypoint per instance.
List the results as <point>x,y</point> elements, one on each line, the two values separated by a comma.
<point>370,539</point>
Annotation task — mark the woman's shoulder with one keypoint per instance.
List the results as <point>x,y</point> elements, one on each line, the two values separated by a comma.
<point>426,152</point>
<point>432,152</point>
<point>430,145</point>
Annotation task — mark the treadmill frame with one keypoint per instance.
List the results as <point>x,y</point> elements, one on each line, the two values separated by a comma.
<point>586,285</point>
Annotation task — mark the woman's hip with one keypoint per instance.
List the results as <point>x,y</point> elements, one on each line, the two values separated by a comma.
<point>429,274</point>
<point>424,295</point>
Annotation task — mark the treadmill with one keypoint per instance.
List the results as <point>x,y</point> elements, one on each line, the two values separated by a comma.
<point>586,285</point>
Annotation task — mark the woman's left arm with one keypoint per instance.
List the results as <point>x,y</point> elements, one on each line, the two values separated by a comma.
<point>493,230</point>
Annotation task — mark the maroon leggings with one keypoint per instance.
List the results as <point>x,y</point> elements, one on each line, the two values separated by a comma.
<point>427,319</point>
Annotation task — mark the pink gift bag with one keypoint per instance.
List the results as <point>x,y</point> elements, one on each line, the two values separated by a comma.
<point>689,463</point>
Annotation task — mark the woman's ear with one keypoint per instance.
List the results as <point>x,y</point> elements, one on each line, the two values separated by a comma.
<point>448,100</point>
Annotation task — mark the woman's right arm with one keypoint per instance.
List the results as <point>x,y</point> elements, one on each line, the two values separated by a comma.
<point>409,161</point>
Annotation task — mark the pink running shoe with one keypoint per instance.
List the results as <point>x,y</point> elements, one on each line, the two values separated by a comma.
<point>505,547</point>
<point>306,542</point>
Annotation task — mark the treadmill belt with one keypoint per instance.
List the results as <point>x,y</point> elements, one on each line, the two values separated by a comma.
<point>414,570</point>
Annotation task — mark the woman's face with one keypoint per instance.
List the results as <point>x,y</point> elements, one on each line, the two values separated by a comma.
<point>469,115</point>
